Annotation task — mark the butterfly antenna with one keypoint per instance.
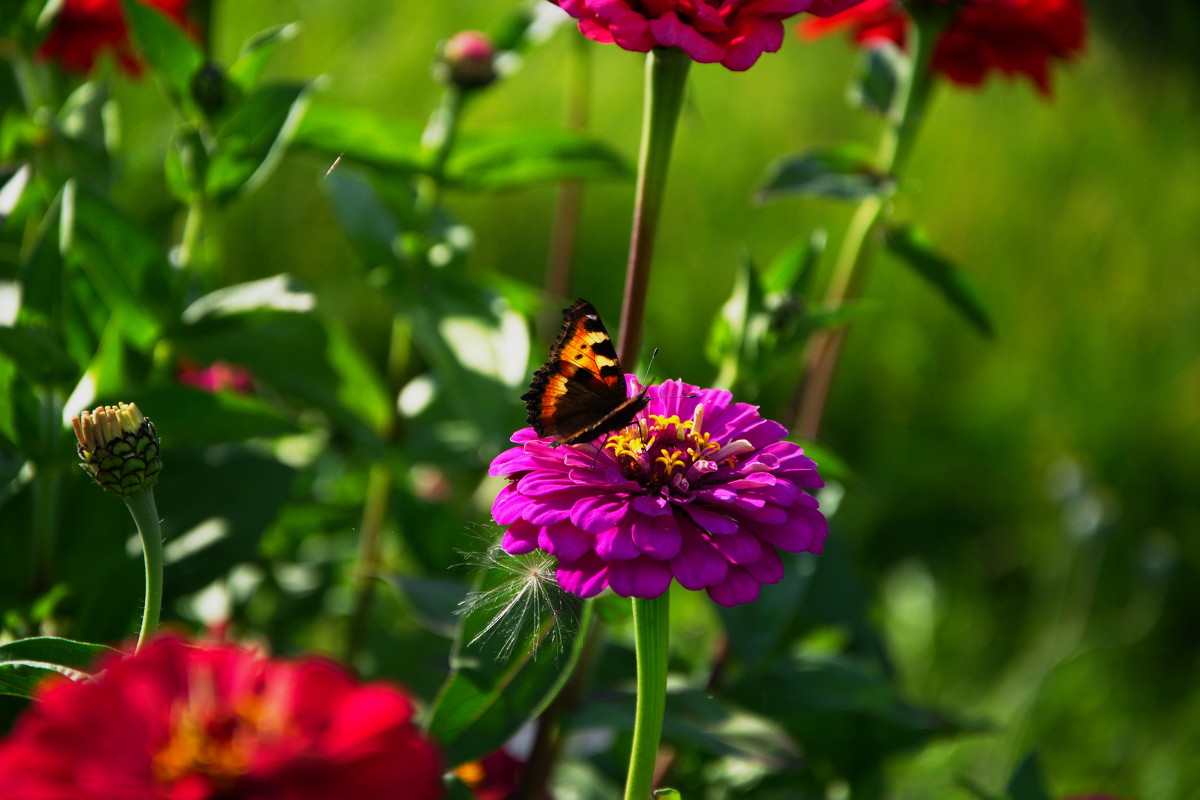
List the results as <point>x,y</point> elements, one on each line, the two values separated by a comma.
<point>646,377</point>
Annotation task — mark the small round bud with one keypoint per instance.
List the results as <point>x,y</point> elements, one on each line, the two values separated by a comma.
<point>210,89</point>
<point>468,60</point>
<point>119,448</point>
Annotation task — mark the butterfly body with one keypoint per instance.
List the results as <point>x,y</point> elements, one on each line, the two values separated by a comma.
<point>579,394</point>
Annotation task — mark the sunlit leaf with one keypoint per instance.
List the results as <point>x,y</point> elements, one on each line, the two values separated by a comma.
<point>915,248</point>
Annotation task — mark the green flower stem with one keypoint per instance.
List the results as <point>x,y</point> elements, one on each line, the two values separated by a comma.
<point>437,142</point>
<point>651,626</point>
<point>854,257</point>
<point>145,516</point>
<point>666,77</point>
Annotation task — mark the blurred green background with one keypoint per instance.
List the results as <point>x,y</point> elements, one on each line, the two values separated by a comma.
<point>1026,511</point>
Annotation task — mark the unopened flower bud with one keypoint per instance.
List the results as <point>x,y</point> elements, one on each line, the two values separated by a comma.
<point>119,448</point>
<point>468,60</point>
<point>210,89</point>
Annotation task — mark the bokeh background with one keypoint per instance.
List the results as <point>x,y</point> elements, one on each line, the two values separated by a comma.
<point>1023,512</point>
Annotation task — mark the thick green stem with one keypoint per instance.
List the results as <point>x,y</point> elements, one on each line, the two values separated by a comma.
<point>854,257</point>
<point>145,516</point>
<point>651,626</point>
<point>666,77</point>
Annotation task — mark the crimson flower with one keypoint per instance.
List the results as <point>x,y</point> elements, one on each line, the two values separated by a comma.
<point>182,722</point>
<point>496,776</point>
<point>85,28</point>
<point>1014,37</point>
<point>701,490</point>
<point>733,32</point>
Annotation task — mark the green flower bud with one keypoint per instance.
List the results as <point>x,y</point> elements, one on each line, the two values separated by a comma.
<point>119,448</point>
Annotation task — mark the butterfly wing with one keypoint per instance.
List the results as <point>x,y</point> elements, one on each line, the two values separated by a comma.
<point>579,393</point>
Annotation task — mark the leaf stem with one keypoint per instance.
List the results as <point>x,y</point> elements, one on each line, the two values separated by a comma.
<point>854,257</point>
<point>666,78</point>
<point>145,516</point>
<point>651,626</point>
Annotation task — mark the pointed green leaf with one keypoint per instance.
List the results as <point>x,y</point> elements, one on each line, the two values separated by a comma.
<point>257,52</point>
<point>844,172</point>
<point>886,71</point>
<point>915,248</point>
<point>170,52</point>
<point>793,270</point>
<point>1027,782</point>
<point>39,356</point>
<point>506,667</point>
<point>513,160</point>
<point>252,140</point>
<point>363,137</point>
<point>26,662</point>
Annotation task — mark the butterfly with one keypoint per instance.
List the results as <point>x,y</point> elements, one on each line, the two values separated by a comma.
<point>579,393</point>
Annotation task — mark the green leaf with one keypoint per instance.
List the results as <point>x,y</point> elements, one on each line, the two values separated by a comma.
<point>41,274</point>
<point>166,47</point>
<point>516,159</point>
<point>285,350</point>
<point>1026,782</point>
<point>506,669</point>
<point>886,70</point>
<point>362,137</point>
<point>844,172</point>
<point>258,51</point>
<point>26,662</point>
<point>195,417</point>
<point>363,216</point>
<point>252,140</point>
<point>915,248</point>
<point>793,270</point>
<point>39,356</point>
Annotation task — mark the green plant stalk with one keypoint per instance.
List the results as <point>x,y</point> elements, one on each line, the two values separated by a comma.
<point>666,78</point>
<point>47,486</point>
<point>437,142</point>
<point>854,257</point>
<point>145,516</point>
<point>651,626</point>
<point>547,741</point>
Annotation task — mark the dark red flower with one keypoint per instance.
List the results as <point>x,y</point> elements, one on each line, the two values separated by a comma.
<point>1015,37</point>
<point>493,777</point>
<point>85,28</point>
<point>733,32</point>
<point>182,722</point>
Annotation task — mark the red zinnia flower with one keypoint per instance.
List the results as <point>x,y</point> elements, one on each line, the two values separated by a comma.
<point>733,32</point>
<point>85,28</point>
<point>177,722</point>
<point>1016,37</point>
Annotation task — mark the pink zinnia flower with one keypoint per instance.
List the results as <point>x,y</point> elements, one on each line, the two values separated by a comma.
<point>85,28</point>
<point>701,490</point>
<point>177,722</point>
<point>733,32</point>
<point>218,377</point>
<point>1014,37</point>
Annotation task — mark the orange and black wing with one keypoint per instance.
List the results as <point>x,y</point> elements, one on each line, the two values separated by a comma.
<point>579,393</point>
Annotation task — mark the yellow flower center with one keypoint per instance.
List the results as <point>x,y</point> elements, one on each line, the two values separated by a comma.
<point>217,743</point>
<point>668,451</point>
